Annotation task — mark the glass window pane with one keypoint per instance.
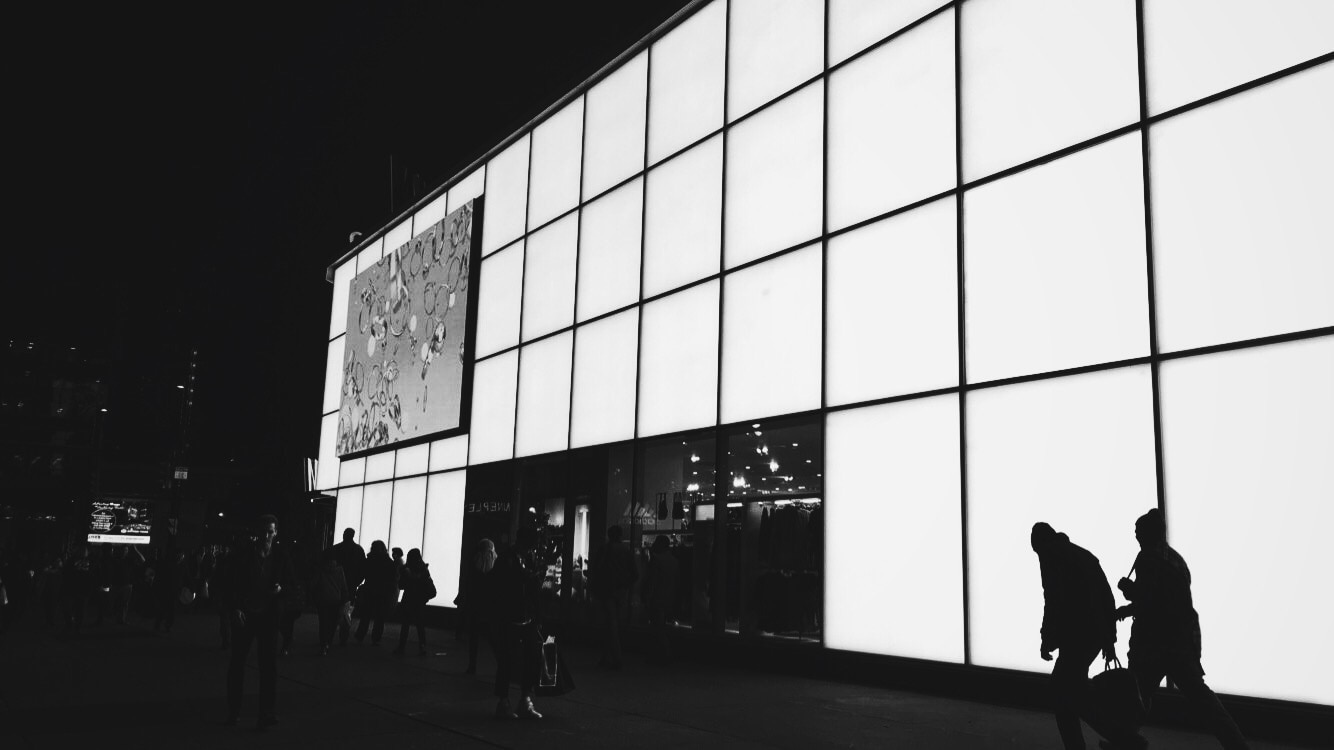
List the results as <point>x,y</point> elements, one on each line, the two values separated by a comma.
<point>498,303</point>
<point>891,125</point>
<point>412,460</point>
<point>352,472</point>
<point>1056,278</point>
<point>333,374</point>
<point>894,504</point>
<point>771,337</point>
<point>683,219</point>
<point>555,170</point>
<point>1247,440</point>
<point>342,282</point>
<point>1194,48</point>
<point>855,25</point>
<point>370,255</point>
<point>544,396</point>
<point>376,507</point>
<point>614,144</point>
<point>891,306</point>
<point>1076,452</point>
<point>450,453</point>
<point>686,102</point>
<point>775,45</point>
<point>348,513</point>
<point>442,535</point>
<point>494,389</point>
<point>675,497</point>
<point>430,214</point>
<point>329,463</point>
<point>774,174</point>
<point>1017,104</point>
<point>1242,227</point>
<point>609,251</point>
<point>409,514</point>
<point>506,196</point>
<point>380,466</point>
<point>605,363</point>
<point>467,188</point>
<point>678,361</point>
<point>548,278</point>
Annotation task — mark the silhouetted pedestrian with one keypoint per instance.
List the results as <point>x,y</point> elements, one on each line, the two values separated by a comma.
<point>660,596</point>
<point>471,599</point>
<point>331,593</point>
<point>611,577</point>
<point>418,589</point>
<point>75,581</point>
<point>294,603</point>
<point>376,596</point>
<point>167,585</point>
<point>1165,638</point>
<point>352,559</point>
<point>259,576</point>
<point>510,595</point>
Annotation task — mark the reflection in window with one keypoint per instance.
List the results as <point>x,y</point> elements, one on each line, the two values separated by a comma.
<point>775,529</point>
<point>675,499</point>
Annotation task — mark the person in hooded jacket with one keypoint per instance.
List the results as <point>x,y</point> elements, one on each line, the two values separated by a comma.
<point>510,595</point>
<point>377,595</point>
<point>418,589</point>
<point>331,592</point>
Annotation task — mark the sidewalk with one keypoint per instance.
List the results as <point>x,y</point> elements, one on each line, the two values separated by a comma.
<point>125,686</point>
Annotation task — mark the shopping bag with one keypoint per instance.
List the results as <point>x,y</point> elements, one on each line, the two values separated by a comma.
<point>1114,697</point>
<point>555,678</point>
<point>186,596</point>
<point>345,614</point>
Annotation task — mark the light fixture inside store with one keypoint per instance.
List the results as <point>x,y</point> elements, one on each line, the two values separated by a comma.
<point>734,505</point>
<point>694,458</point>
<point>692,487</point>
<point>794,445</point>
<point>773,464</point>
<point>758,433</point>
<point>757,424</point>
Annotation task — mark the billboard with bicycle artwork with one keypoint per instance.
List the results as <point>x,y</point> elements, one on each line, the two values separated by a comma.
<point>407,362</point>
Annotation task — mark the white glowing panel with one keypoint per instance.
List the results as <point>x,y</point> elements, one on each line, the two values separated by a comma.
<point>472,186</point>
<point>1057,277</point>
<point>892,306</point>
<point>605,363</point>
<point>609,251</point>
<point>443,537</point>
<point>450,453</point>
<point>506,196</point>
<point>430,214</point>
<point>775,46</point>
<point>683,218</point>
<point>328,460</point>
<point>376,507</point>
<point>1076,452</point>
<point>678,361</point>
<point>771,337</point>
<point>1248,437</point>
<point>370,255</point>
<point>494,390</point>
<point>1194,48</point>
<point>891,124</point>
<point>409,516</point>
<point>548,278</point>
<point>899,464</point>
<point>333,374</point>
<point>1018,102</point>
<point>352,472</point>
<point>347,514</point>
<point>380,466</point>
<point>341,282</point>
<point>774,173</point>
<point>614,142</point>
<point>544,396</point>
<point>1243,233</point>
<point>398,235</point>
<point>555,169</point>
<point>855,25</point>
<point>686,80</point>
<point>498,300</point>
<point>413,460</point>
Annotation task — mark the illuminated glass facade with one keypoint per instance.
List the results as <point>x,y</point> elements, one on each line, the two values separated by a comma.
<point>950,269</point>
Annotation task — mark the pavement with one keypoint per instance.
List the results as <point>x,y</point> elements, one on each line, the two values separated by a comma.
<point>126,686</point>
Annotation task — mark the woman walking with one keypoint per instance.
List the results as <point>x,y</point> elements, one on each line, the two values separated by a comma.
<point>418,589</point>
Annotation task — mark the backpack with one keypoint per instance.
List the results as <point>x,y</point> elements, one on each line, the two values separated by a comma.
<point>428,588</point>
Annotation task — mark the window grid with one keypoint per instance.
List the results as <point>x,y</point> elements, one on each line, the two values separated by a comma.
<point>1145,121</point>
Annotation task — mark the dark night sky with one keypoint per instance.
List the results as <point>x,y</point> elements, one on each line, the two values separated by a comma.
<point>180,175</point>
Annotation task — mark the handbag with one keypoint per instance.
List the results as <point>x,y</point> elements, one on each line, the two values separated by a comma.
<point>1114,697</point>
<point>555,678</point>
<point>345,614</point>
<point>186,596</point>
<point>428,589</point>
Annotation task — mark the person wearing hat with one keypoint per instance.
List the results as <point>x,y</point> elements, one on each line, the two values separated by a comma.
<point>1165,638</point>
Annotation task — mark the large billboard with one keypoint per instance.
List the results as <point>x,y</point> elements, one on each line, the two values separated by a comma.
<point>118,521</point>
<point>406,366</point>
